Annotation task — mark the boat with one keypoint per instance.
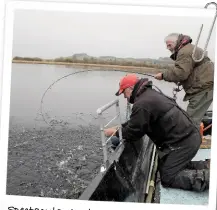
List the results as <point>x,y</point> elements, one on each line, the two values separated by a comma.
<point>130,173</point>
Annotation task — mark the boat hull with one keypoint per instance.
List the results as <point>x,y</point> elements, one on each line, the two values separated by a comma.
<point>126,177</point>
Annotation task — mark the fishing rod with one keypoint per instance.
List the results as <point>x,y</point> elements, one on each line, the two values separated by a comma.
<point>74,73</point>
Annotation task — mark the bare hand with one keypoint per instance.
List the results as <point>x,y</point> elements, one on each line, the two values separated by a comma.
<point>159,76</point>
<point>109,131</point>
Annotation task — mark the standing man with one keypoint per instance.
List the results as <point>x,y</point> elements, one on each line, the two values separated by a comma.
<point>196,77</point>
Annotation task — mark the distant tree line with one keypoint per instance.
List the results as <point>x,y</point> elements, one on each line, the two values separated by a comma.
<point>27,59</point>
<point>92,60</point>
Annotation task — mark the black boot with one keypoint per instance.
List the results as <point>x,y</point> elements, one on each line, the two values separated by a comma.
<point>199,165</point>
<point>193,180</point>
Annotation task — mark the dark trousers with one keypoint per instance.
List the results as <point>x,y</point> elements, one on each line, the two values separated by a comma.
<point>178,171</point>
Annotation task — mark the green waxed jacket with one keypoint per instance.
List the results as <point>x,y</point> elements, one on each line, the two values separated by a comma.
<point>194,77</point>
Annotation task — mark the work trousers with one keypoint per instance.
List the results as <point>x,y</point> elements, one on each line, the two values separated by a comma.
<point>177,170</point>
<point>198,105</point>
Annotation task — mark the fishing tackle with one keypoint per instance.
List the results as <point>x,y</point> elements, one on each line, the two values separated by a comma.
<point>77,72</point>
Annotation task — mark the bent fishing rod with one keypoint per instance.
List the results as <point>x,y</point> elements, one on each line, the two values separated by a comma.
<point>74,73</point>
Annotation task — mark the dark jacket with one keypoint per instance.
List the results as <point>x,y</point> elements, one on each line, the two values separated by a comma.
<point>194,77</point>
<point>157,116</point>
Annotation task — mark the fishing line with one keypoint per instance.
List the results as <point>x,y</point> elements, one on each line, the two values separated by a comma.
<point>78,72</point>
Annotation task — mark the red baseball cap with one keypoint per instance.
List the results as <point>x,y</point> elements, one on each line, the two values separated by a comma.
<point>126,82</point>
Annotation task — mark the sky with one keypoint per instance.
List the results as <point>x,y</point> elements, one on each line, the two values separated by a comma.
<point>49,34</point>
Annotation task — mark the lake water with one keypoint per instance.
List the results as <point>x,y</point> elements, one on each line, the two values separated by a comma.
<point>74,98</point>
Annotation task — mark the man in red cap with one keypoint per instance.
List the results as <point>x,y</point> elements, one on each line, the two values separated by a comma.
<point>126,82</point>
<point>176,137</point>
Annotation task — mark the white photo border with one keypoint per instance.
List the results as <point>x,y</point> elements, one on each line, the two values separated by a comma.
<point>49,203</point>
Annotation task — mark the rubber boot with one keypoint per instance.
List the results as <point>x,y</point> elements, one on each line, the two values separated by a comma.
<point>198,165</point>
<point>193,180</point>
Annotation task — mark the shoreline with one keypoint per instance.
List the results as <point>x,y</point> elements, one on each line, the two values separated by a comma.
<point>94,66</point>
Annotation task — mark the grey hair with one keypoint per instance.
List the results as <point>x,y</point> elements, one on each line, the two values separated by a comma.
<point>172,37</point>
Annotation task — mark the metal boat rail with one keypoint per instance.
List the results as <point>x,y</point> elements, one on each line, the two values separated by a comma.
<point>102,127</point>
<point>126,174</point>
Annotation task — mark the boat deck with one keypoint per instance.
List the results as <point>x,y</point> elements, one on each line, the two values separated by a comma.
<point>177,196</point>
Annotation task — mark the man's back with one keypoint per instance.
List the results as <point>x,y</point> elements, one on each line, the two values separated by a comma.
<point>168,123</point>
<point>200,75</point>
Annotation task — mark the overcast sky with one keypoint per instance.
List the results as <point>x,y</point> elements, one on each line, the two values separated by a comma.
<point>53,34</point>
